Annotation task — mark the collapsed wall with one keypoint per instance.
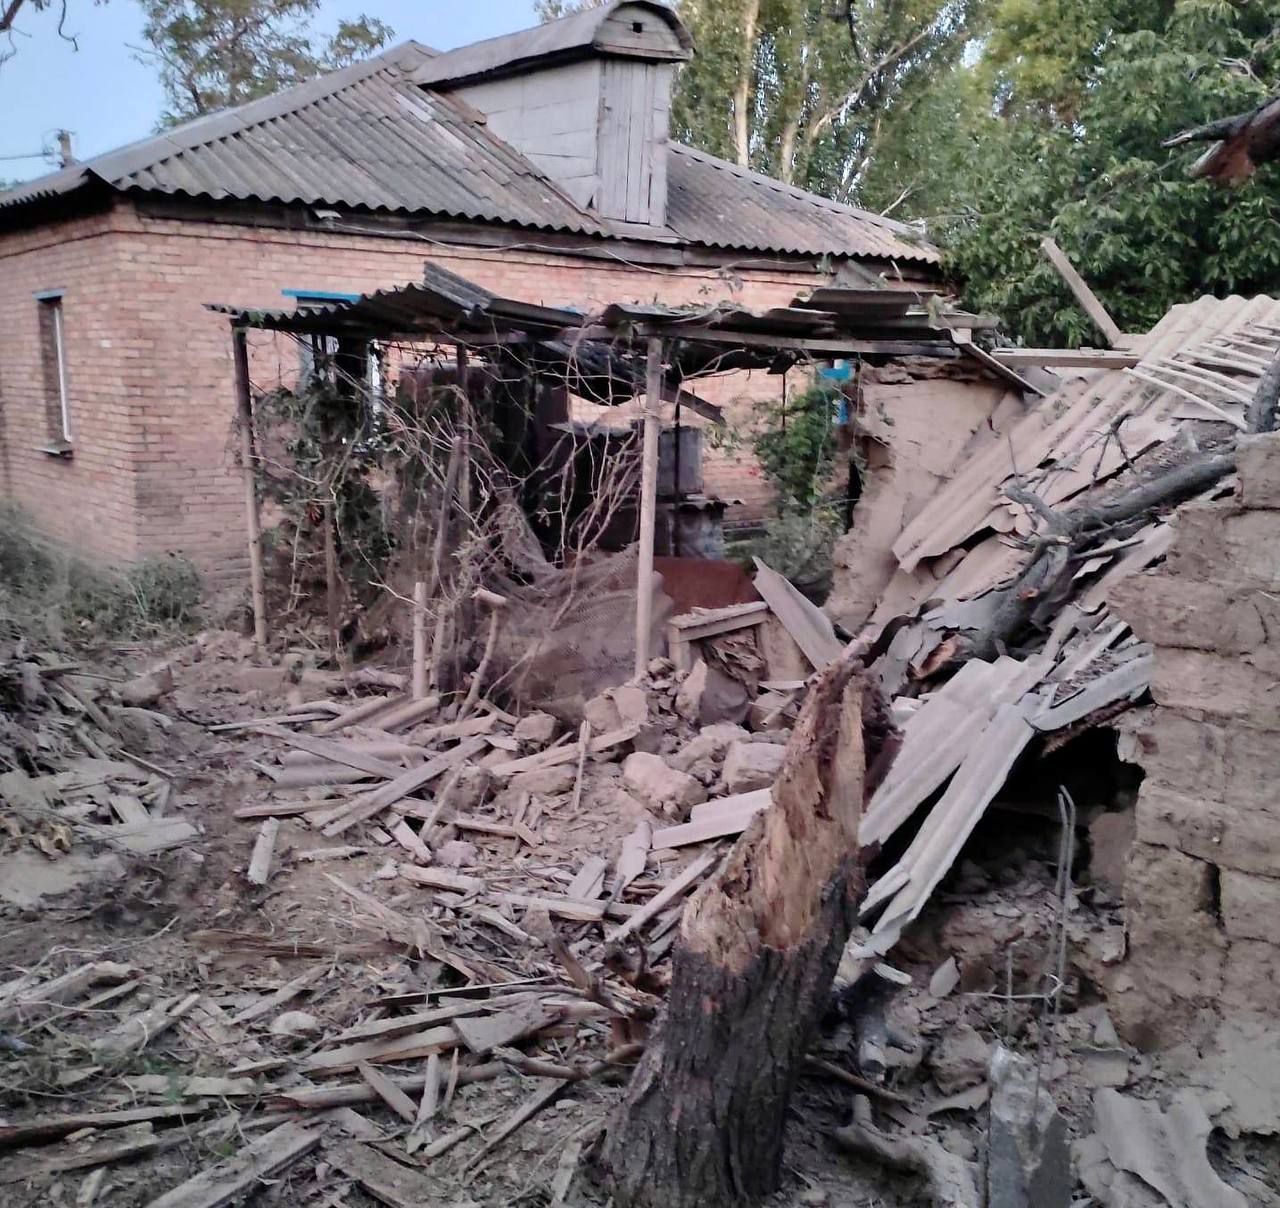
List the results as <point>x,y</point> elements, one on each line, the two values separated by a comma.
<point>1202,889</point>
<point>918,420</point>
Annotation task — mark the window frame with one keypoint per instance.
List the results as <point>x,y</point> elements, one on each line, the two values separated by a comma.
<point>62,440</point>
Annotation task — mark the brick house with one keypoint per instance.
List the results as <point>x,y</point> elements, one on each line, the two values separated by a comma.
<point>536,164</point>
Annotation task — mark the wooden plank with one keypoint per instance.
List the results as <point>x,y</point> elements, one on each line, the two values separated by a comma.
<point>240,1174</point>
<point>633,857</point>
<point>50,1128</point>
<point>442,878</point>
<point>399,1048</point>
<point>143,839</point>
<point>694,626</point>
<point>1089,301</point>
<point>360,713</point>
<point>286,993</point>
<point>713,826</point>
<point>565,754</point>
<point>263,851</point>
<point>588,884</point>
<point>483,1033</point>
<point>1066,358</point>
<point>648,497</point>
<point>372,804</point>
<point>657,904</point>
<point>383,1178</point>
<point>756,799</point>
<point>388,1092</point>
<point>566,908</point>
<point>807,624</point>
<point>335,752</point>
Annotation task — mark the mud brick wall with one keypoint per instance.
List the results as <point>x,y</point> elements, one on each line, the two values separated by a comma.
<point>150,375</point>
<point>1202,889</point>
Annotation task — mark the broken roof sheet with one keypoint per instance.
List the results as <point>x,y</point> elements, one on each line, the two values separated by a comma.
<point>958,559</point>
<point>367,138</point>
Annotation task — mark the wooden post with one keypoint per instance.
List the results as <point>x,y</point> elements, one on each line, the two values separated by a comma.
<point>419,640</point>
<point>1088,300</point>
<point>248,459</point>
<point>648,502</point>
<point>331,578</point>
<point>702,1121</point>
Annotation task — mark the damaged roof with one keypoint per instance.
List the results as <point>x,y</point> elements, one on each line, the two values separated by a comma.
<point>369,138</point>
<point>1074,664</point>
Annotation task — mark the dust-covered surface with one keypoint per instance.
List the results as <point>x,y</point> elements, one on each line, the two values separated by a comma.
<point>220,1014</point>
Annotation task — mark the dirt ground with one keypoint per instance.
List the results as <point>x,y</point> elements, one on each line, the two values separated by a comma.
<point>195,934</point>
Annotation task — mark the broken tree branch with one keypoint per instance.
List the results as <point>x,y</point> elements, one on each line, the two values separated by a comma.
<point>758,948</point>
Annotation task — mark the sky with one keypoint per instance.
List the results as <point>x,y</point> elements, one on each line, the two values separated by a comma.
<point>106,98</point>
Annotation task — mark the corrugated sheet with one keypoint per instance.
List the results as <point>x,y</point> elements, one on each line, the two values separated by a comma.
<point>366,137</point>
<point>722,205</point>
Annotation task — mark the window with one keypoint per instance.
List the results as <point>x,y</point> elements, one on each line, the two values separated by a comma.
<point>357,361</point>
<point>53,355</point>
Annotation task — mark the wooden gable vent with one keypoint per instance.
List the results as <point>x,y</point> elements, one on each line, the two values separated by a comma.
<point>586,98</point>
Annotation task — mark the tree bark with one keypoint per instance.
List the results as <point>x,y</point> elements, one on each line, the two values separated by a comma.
<point>742,90</point>
<point>702,1122</point>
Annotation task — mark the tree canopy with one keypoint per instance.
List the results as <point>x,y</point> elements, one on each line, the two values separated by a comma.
<point>1065,140</point>
<point>216,53</point>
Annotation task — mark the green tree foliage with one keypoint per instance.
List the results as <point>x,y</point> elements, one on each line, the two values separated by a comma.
<point>1069,145</point>
<point>216,53</point>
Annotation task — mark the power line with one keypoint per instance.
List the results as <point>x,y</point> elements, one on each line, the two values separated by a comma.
<point>37,155</point>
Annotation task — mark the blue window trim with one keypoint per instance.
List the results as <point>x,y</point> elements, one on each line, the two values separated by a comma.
<point>49,295</point>
<point>319,295</point>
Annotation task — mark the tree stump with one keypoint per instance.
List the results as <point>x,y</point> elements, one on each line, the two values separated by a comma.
<point>702,1121</point>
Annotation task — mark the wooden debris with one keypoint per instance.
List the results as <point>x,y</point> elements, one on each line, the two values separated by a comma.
<point>27,1000</point>
<point>322,1098</point>
<point>483,1034</point>
<point>388,1092</point>
<point>632,858</point>
<point>263,850</point>
<point>804,621</point>
<point>335,752</point>
<point>407,837</point>
<point>136,1032</point>
<point>51,1128</point>
<point>548,1093</point>
<point>363,712</point>
<point>239,1174</point>
<point>442,878</point>
<point>400,1048</point>
<point>731,816</point>
<point>556,756</point>
<point>588,884</point>
<point>372,804</point>
<point>660,901</point>
<point>143,839</point>
<point>702,1119</point>
<point>287,993</point>
<point>386,1180</point>
<point>428,1105</point>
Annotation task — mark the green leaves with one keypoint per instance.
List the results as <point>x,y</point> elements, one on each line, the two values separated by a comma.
<point>213,54</point>
<point>1080,158</point>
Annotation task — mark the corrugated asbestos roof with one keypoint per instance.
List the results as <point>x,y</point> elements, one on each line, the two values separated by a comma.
<point>367,138</point>
<point>718,204</point>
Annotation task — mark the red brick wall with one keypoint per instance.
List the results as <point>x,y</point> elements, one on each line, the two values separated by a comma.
<point>88,500</point>
<point>151,376</point>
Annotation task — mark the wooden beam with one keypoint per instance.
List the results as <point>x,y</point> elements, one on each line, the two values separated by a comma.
<point>1066,358</point>
<point>648,503</point>
<point>248,460</point>
<point>1088,300</point>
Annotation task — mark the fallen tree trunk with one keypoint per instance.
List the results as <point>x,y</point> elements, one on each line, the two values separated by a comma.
<point>702,1121</point>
